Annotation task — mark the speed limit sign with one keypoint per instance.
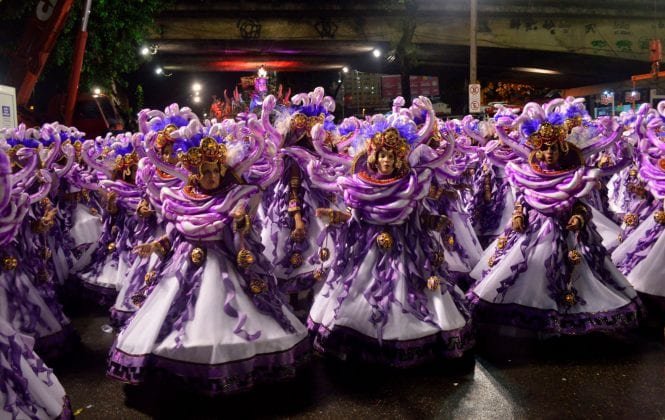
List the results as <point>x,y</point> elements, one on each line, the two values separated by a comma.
<point>474,98</point>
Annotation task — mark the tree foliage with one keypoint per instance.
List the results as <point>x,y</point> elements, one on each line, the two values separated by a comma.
<point>116,30</point>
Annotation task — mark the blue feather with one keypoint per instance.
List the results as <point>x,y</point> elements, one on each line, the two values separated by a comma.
<point>177,120</point>
<point>32,143</point>
<point>555,118</point>
<point>530,126</point>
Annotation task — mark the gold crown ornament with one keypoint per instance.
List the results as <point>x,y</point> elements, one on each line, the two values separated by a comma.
<point>391,140</point>
<point>124,164</point>
<point>547,134</point>
<point>300,121</point>
<point>573,122</point>
<point>164,136</point>
<point>207,152</point>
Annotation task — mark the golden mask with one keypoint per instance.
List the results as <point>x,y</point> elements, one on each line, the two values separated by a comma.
<point>9,263</point>
<point>150,277</point>
<point>258,286</point>
<point>574,256</point>
<point>245,258</point>
<point>324,254</point>
<point>197,256</point>
<point>296,259</point>
<point>659,216</point>
<point>385,241</point>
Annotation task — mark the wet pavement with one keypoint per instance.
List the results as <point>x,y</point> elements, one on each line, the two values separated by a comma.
<point>575,377</point>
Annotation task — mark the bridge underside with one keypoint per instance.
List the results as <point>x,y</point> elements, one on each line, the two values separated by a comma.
<point>578,42</point>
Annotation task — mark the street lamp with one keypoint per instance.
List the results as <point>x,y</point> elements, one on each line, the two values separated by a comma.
<point>376,53</point>
<point>96,91</point>
<point>197,99</point>
<point>148,50</point>
<point>160,72</point>
<point>345,69</point>
<point>196,87</point>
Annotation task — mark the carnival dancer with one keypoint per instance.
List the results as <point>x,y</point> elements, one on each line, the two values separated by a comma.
<point>292,234</point>
<point>79,205</point>
<point>462,249</point>
<point>640,256</point>
<point>28,388</point>
<point>151,225</point>
<point>629,199</point>
<point>116,167</point>
<point>549,273</point>
<point>27,290</point>
<point>388,298</point>
<point>493,199</point>
<point>580,129</point>
<point>215,317</point>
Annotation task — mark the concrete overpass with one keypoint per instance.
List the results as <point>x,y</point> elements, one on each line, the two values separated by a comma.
<point>579,42</point>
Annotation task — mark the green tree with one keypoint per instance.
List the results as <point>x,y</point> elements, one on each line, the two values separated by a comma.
<point>116,30</point>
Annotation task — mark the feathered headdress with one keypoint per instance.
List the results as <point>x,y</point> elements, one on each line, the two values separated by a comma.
<point>208,151</point>
<point>310,109</point>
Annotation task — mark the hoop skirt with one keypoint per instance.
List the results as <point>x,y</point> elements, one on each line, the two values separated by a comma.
<point>221,327</point>
<point>529,282</point>
<point>375,305</point>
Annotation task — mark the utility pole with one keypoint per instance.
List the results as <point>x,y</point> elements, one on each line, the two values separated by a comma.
<point>473,29</point>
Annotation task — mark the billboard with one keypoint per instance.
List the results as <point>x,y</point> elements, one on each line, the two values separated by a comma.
<point>391,86</point>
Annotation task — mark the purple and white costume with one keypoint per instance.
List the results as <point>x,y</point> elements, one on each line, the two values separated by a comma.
<point>640,256</point>
<point>375,304</point>
<point>296,261</point>
<point>27,291</point>
<point>28,388</point>
<point>548,279</point>
<point>215,316</point>
<point>493,199</point>
<point>112,259</point>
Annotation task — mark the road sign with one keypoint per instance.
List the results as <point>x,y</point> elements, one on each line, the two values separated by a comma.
<point>474,98</point>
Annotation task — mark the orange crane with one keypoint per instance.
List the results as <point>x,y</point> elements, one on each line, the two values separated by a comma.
<point>36,45</point>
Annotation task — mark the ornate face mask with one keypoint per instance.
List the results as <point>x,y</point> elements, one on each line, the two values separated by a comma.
<point>209,161</point>
<point>385,162</point>
<point>386,152</point>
